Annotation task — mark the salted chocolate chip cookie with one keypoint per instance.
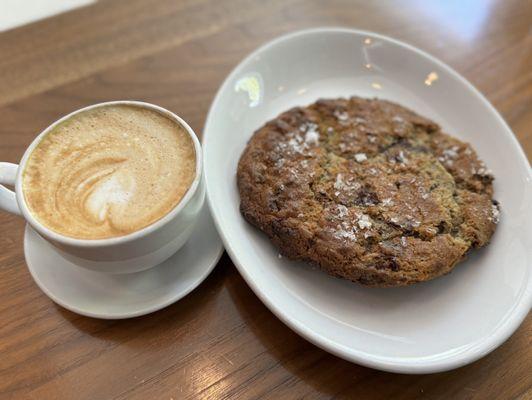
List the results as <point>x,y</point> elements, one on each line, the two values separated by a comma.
<point>367,190</point>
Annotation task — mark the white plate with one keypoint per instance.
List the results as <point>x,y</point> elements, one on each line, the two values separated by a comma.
<point>428,327</point>
<point>100,295</point>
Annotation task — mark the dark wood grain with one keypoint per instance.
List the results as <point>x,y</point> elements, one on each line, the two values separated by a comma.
<point>221,341</point>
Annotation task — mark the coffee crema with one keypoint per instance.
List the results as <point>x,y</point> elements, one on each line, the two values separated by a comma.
<point>108,172</point>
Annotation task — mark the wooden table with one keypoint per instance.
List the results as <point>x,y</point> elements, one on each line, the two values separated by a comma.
<point>221,341</point>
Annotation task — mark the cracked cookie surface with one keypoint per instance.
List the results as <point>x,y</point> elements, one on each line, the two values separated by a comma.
<point>367,190</point>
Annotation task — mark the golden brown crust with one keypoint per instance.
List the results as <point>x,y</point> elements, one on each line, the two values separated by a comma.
<point>368,190</point>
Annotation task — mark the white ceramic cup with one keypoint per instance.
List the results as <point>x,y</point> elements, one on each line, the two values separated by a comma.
<point>134,252</point>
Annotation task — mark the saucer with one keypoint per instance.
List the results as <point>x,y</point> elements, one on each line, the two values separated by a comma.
<point>107,296</point>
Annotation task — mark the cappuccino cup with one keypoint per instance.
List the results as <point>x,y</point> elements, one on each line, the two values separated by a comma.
<point>116,187</point>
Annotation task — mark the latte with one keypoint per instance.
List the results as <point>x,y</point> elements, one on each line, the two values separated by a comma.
<point>108,172</point>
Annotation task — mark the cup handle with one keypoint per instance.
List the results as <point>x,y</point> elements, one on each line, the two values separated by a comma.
<point>8,201</point>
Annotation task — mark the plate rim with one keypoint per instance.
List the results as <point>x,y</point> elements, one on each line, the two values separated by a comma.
<point>409,365</point>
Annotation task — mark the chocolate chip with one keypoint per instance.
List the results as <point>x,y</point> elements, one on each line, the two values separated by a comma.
<point>389,263</point>
<point>366,197</point>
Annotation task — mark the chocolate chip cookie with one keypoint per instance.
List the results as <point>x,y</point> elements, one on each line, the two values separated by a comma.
<point>367,190</point>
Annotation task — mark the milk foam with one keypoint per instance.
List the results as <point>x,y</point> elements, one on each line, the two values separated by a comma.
<point>108,172</point>
<point>110,193</point>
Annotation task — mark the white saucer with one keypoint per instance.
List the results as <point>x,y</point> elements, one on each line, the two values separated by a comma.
<point>107,296</point>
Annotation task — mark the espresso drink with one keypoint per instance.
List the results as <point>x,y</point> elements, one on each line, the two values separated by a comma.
<point>109,171</point>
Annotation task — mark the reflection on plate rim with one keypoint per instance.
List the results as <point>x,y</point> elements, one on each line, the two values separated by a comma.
<point>427,364</point>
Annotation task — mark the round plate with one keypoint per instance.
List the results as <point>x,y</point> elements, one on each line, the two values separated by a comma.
<point>428,327</point>
<point>100,295</point>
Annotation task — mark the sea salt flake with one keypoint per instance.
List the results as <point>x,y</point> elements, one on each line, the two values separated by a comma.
<point>364,222</point>
<point>296,144</point>
<point>360,157</point>
<point>353,185</point>
<point>342,211</point>
<point>403,241</point>
<point>341,115</point>
<point>450,153</point>
<point>483,170</point>
<point>293,176</point>
<point>387,202</point>
<point>338,183</point>
<point>495,214</point>
<point>312,137</point>
<point>401,157</point>
<point>343,234</point>
<point>280,162</point>
<point>345,231</point>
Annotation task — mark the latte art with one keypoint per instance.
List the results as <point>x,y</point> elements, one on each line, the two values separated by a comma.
<point>108,172</point>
